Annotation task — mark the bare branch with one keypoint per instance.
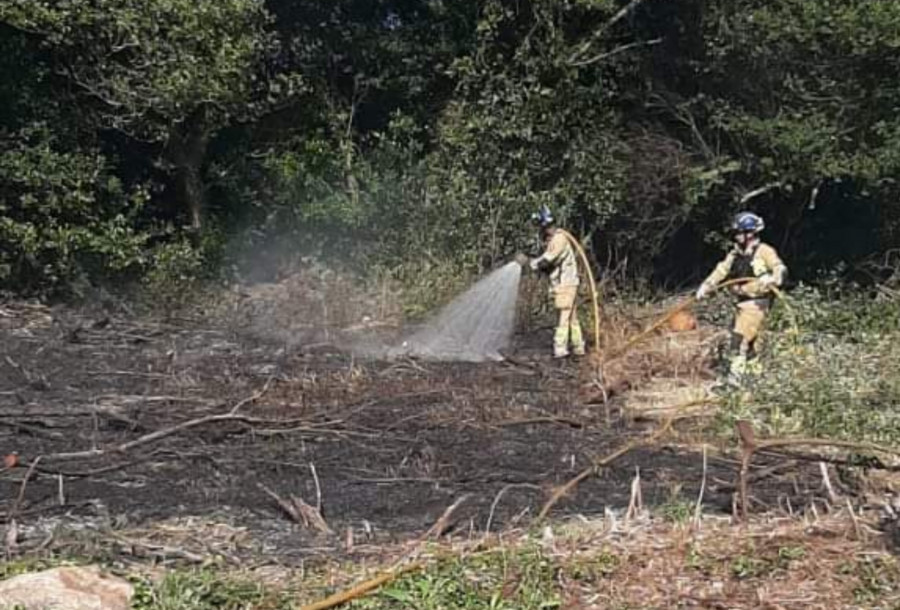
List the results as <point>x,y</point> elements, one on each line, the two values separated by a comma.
<point>624,12</point>
<point>617,51</point>
<point>760,191</point>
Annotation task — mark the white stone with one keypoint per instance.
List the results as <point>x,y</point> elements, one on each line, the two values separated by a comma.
<point>68,588</point>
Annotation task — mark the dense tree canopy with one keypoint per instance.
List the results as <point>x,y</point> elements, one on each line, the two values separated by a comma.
<point>390,131</point>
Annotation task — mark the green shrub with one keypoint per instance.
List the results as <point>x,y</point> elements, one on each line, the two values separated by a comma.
<point>839,377</point>
<point>65,219</point>
<point>172,278</point>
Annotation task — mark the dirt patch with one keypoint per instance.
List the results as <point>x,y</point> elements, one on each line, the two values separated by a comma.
<point>392,443</point>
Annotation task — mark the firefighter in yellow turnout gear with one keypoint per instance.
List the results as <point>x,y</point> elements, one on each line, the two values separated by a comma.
<point>750,258</point>
<point>558,260</point>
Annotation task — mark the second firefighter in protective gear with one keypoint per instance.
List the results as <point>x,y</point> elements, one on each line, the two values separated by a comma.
<point>758,261</point>
<point>558,260</point>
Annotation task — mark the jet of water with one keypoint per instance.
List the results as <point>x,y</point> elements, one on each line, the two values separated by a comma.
<point>474,327</point>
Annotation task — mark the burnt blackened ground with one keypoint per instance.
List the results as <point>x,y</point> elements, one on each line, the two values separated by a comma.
<point>391,443</point>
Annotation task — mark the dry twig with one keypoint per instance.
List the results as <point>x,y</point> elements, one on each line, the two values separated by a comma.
<point>490,520</point>
<point>445,520</point>
<point>301,512</point>
<point>749,446</point>
<point>561,492</point>
<point>636,503</point>
<point>699,506</point>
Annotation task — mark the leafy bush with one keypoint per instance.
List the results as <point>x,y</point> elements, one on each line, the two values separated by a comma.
<point>839,377</point>
<point>64,216</point>
<point>175,271</point>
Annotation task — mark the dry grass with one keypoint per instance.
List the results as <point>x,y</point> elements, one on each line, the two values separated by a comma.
<point>655,400</point>
<point>828,562</point>
<point>825,560</point>
<point>664,366</point>
<point>769,563</point>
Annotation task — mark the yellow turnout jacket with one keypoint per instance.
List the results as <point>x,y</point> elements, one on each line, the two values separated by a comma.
<point>761,259</point>
<point>561,256</point>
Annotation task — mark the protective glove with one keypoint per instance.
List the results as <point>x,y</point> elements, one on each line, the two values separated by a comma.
<point>703,292</point>
<point>535,264</point>
<point>767,281</point>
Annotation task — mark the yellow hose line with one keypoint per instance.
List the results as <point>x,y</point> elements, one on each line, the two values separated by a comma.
<point>684,305</point>
<point>595,300</point>
<point>595,303</point>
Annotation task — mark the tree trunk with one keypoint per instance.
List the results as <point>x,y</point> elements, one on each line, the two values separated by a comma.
<point>187,151</point>
<point>191,193</point>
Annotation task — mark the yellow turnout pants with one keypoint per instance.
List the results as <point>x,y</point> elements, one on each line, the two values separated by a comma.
<point>748,324</point>
<point>568,329</point>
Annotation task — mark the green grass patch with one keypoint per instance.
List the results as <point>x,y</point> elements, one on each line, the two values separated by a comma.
<point>494,581</point>
<point>875,578</point>
<point>206,590</point>
<point>25,565</point>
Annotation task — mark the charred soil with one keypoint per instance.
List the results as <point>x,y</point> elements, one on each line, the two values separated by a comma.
<point>384,447</point>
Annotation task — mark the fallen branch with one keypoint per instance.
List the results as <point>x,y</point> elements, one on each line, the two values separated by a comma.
<point>21,497</point>
<point>663,320</point>
<point>232,415</point>
<point>824,442</point>
<point>605,461</point>
<point>750,446</point>
<point>39,510</point>
<point>12,529</point>
<point>158,550</point>
<point>445,520</point>
<point>92,473</point>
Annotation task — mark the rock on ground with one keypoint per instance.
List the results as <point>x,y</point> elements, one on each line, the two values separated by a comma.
<point>69,588</point>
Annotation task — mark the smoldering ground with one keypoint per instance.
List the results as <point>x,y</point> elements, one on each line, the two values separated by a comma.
<point>111,404</point>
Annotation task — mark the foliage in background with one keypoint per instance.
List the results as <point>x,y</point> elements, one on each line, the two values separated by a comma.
<point>64,215</point>
<point>393,134</point>
<point>802,95</point>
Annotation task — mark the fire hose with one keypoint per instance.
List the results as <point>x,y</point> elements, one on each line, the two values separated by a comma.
<point>663,319</point>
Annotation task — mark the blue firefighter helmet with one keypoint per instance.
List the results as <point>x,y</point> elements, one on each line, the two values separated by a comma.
<point>543,217</point>
<point>748,222</point>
